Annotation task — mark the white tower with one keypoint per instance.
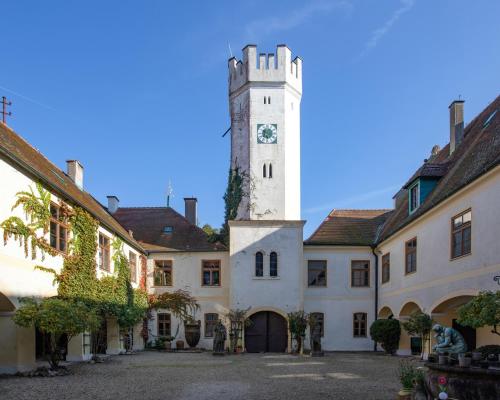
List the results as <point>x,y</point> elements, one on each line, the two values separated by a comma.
<point>265,249</point>
<point>264,100</point>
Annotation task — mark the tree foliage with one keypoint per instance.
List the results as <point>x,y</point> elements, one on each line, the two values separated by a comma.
<point>419,324</point>
<point>232,199</point>
<point>56,317</point>
<point>387,332</point>
<point>482,310</point>
<point>180,303</point>
<point>297,323</point>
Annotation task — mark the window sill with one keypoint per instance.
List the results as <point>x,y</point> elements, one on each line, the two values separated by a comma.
<point>211,286</point>
<point>459,257</point>
<point>317,286</point>
<point>360,287</point>
<point>410,273</point>
<point>385,283</point>
<point>265,278</point>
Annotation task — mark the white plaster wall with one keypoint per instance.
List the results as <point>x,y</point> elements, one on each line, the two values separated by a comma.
<point>186,275</point>
<point>284,292</point>
<point>338,300</point>
<point>437,276</point>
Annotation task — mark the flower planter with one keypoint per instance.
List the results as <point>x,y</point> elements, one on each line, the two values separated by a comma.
<point>464,361</point>
<point>476,356</point>
<point>404,394</point>
<point>192,333</point>
<point>179,344</point>
<point>168,345</point>
<point>442,360</point>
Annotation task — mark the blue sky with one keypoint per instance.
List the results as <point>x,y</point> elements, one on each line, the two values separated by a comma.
<point>137,90</point>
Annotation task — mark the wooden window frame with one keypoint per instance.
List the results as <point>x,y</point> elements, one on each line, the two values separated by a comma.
<point>417,187</point>
<point>107,251</point>
<point>262,265</point>
<point>206,323</point>
<point>211,269</point>
<point>411,252</point>
<point>326,274</point>
<point>159,323</point>
<point>168,266</point>
<point>368,282</point>
<point>386,266</point>
<point>271,263</point>
<point>132,263</point>
<point>59,224</point>
<point>358,327</point>
<point>460,229</point>
<point>322,321</point>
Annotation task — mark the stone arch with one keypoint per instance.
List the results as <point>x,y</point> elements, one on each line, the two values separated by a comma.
<point>385,312</point>
<point>409,307</point>
<point>454,297</point>
<point>5,304</point>
<point>268,332</point>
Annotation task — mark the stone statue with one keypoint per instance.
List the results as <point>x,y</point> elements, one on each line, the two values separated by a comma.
<point>448,340</point>
<point>316,340</point>
<point>220,336</point>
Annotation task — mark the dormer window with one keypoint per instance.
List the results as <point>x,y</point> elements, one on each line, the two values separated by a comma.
<point>414,200</point>
<point>168,230</point>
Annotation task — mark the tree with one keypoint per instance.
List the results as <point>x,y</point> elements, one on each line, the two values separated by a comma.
<point>386,332</point>
<point>297,322</point>
<point>482,310</point>
<point>55,317</point>
<point>237,321</point>
<point>419,324</point>
<point>180,303</point>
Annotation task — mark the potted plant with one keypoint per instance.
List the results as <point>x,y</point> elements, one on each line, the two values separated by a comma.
<point>407,375</point>
<point>179,344</point>
<point>464,360</point>
<point>237,321</point>
<point>297,323</point>
<point>168,342</point>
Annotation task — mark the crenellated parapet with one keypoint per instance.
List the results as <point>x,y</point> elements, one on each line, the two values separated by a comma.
<point>276,68</point>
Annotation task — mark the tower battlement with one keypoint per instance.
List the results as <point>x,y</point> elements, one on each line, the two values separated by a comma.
<point>276,68</point>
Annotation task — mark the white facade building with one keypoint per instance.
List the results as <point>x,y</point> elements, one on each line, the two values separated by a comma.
<point>433,252</point>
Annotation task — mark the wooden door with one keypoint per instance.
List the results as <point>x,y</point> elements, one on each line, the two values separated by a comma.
<point>267,333</point>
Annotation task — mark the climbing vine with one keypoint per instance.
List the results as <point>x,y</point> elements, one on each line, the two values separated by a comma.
<point>232,199</point>
<point>37,211</point>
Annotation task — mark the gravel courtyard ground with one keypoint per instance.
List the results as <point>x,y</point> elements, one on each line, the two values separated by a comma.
<point>179,376</point>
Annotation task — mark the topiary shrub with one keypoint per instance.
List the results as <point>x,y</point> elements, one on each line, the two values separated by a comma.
<point>386,332</point>
<point>489,349</point>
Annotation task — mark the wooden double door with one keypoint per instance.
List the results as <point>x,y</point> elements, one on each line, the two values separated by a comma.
<point>267,332</point>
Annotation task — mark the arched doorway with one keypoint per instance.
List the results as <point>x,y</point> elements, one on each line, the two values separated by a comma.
<point>385,313</point>
<point>267,332</point>
<point>410,344</point>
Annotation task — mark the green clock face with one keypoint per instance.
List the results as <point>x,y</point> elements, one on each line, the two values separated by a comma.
<point>267,133</point>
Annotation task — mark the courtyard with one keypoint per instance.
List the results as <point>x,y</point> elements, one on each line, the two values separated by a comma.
<point>154,375</point>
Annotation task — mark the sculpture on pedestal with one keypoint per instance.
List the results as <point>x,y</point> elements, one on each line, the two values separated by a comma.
<point>220,335</point>
<point>448,340</point>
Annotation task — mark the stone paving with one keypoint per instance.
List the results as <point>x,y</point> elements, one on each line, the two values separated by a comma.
<point>179,376</point>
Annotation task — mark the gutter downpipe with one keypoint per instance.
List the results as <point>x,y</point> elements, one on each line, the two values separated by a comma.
<point>376,290</point>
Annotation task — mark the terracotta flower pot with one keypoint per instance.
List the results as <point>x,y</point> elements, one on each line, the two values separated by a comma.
<point>404,394</point>
<point>442,360</point>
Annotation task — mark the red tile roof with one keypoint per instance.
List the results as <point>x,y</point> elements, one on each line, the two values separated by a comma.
<point>349,228</point>
<point>148,226</point>
<point>17,151</point>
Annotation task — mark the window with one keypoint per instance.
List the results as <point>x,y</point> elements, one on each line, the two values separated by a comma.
<point>259,264</point>
<point>461,234</point>
<point>164,324</point>
<point>269,100</point>
<point>411,256</point>
<point>273,264</point>
<point>360,273</point>
<point>162,275</point>
<point>359,325</point>
<point>386,267</point>
<point>316,273</point>
<point>319,317</point>
<point>132,262</point>
<point>58,229</point>
<point>104,252</point>
<point>168,230</point>
<point>264,170</point>
<point>270,170</point>
<point>211,273</point>
<point>414,197</point>
<point>211,320</point>
<point>265,100</point>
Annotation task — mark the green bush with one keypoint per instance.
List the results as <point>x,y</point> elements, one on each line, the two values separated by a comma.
<point>489,349</point>
<point>386,332</point>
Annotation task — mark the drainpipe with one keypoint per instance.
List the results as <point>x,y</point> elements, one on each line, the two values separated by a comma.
<point>376,291</point>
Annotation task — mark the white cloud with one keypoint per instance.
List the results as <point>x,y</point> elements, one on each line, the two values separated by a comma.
<point>377,34</point>
<point>350,201</point>
<point>265,26</point>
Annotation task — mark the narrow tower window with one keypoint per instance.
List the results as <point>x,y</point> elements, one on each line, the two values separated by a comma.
<point>265,100</point>
<point>264,170</point>
<point>269,100</point>
<point>273,264</point>
<point>259,264</point>
<point>270,170</point>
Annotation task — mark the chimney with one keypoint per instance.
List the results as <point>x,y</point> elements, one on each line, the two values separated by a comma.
<point>113,204</point>
<point>456,124</point>
<point>190,205</point>
<point>75,172</point>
